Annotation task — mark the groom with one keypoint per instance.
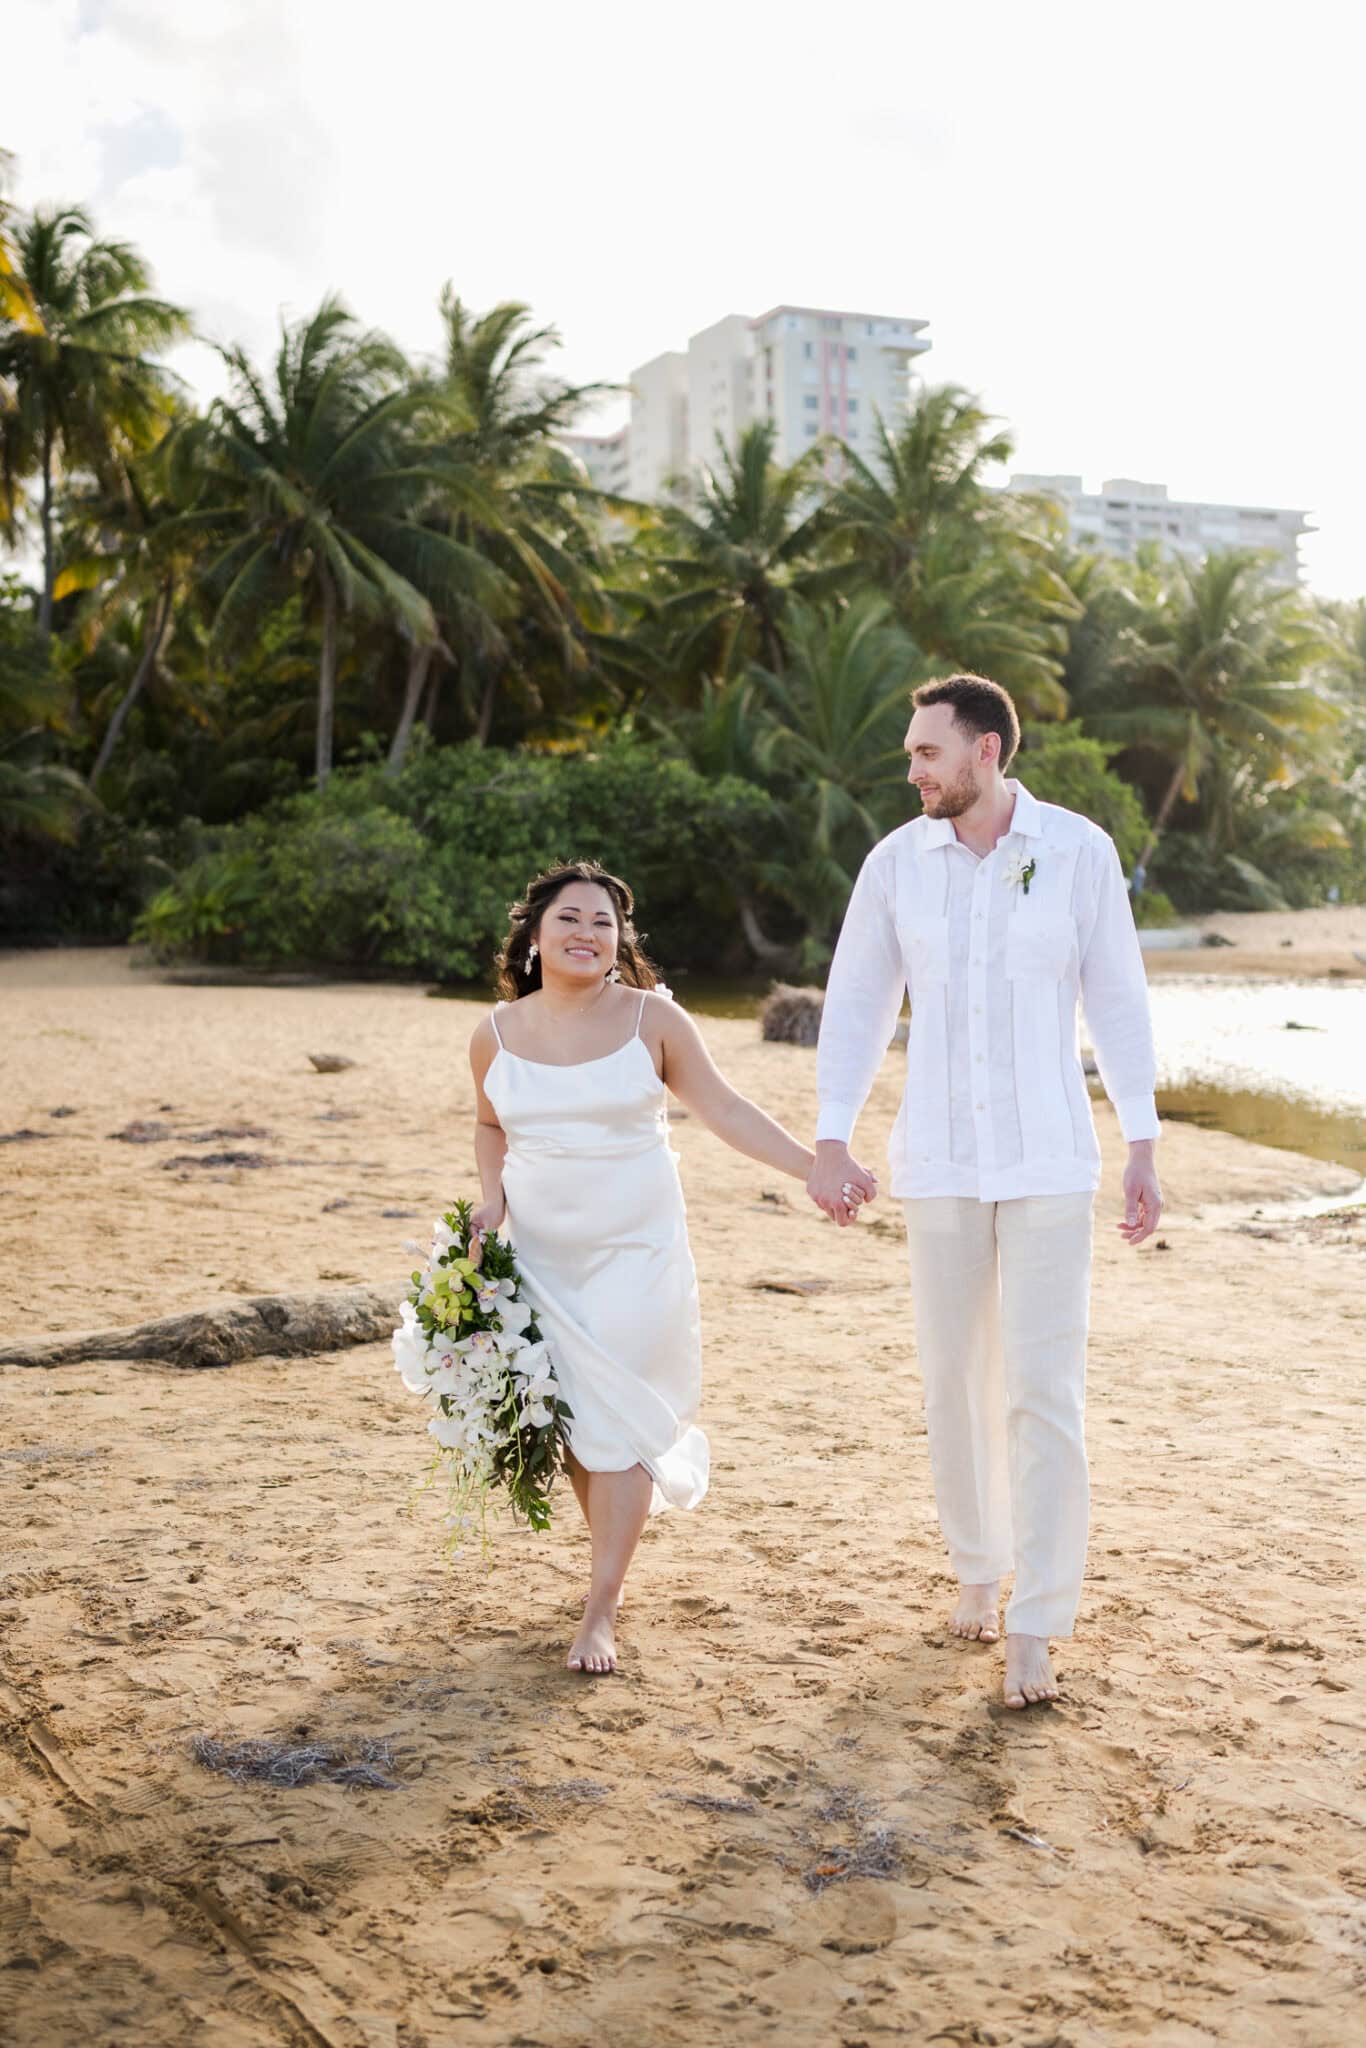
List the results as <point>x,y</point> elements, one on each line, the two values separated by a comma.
<point>997,913</point>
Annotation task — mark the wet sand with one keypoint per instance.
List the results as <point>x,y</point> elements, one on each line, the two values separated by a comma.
<point>798,1814</point>
<point>1328,943</point>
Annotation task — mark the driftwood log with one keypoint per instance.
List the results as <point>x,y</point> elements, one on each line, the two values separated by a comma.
<point>264,1326</point>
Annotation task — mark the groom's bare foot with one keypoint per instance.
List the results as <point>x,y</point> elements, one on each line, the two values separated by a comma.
<point>976,1617</point>
<point>1029,1672</point>
<point>594,1648</point>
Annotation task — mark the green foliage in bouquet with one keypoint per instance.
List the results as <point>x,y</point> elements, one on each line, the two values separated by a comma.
<point>469,1339</point>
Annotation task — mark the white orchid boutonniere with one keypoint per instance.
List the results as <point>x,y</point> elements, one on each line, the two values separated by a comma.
<point>1020,872</point>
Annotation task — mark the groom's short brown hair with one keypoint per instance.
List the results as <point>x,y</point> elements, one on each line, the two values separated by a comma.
<point>978,706</point>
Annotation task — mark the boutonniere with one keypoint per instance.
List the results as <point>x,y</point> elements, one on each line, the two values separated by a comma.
<point>1020,872</point>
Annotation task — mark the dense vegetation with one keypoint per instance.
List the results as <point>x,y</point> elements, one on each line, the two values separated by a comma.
<point>324,672</point>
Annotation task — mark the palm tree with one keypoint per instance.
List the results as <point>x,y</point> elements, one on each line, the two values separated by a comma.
<point>924,475</point>
<point>1208,677</point>
<point>39,799</point>
<point>16,301</point>
<point>505,496</point>
<point>312,480</point>
<point>144,549</point>
<point>970,572</point>
<point>830,746</point>
<point>738,559</point>
<point>85,394</point>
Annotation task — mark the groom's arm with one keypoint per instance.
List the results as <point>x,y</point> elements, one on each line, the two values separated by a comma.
<point>862,997</point>
<point>1114,994</point>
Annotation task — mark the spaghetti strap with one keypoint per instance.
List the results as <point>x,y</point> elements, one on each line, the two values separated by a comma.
<point>493,1019</point>
<point>640,1014</point>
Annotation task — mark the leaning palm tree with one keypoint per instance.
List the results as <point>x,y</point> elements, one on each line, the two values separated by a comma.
<point>312,477</point>
<point>85,394</point>
<point>139,547</point>
<point>1210,677</point>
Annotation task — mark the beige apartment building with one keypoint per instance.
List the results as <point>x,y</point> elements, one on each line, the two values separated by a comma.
<point>808,370</point>
<point>1123,513</point>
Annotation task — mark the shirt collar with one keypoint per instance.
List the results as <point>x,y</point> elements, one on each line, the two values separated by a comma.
<point>1026,820</point>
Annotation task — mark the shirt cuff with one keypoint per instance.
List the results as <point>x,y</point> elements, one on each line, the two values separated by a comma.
<point>1138,1117</point>
<point>836,1120</point>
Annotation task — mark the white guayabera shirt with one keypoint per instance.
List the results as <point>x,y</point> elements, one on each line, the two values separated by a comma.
<point>995,1105</point>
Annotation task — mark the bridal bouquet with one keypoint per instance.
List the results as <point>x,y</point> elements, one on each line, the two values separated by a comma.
<point>469,1341</point>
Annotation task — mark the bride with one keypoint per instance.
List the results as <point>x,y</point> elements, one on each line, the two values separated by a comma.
<point>572,1146</point>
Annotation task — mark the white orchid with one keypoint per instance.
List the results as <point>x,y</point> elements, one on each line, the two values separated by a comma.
<point>468,1343</point>
<point>514,1316</point>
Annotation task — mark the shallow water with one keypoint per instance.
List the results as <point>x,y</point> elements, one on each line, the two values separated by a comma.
<point>1283,1063</point>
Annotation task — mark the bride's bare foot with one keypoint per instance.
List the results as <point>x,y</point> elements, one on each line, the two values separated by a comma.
<point>1029,1672</point>
<point>594,1648</point>
<point>975,1617</point>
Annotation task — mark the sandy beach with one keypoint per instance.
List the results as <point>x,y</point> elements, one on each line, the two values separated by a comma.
<point>1329,942</point>
<point>798,1814</point>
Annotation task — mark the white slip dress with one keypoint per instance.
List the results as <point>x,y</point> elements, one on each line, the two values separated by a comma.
<point>596,1214</point>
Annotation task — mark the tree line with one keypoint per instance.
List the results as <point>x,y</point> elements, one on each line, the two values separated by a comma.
<point>293,668</point>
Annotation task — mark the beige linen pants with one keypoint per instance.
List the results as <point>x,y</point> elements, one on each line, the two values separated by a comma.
<point>1001,1295</point>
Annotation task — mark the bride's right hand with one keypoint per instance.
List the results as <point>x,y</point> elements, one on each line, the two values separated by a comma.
<point>488,1216</point>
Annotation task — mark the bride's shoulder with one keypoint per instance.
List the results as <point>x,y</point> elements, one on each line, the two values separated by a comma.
<point>484,1039</point>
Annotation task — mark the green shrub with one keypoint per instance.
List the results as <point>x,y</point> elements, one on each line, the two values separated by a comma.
<point>415,875</point>
<point>1153,911</point>
<point>1060,764</point>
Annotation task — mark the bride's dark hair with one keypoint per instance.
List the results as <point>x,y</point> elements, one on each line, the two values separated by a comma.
<point>633,965</point>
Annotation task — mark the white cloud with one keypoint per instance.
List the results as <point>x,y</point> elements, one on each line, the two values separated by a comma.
<point>1132,228</point>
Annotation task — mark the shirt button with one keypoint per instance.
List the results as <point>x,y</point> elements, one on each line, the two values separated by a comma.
<point>981,1105</point>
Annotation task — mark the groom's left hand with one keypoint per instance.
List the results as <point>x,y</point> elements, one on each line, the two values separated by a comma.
<point>1142,1194</point>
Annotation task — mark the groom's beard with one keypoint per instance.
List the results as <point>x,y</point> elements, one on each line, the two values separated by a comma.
<point>960,796</point>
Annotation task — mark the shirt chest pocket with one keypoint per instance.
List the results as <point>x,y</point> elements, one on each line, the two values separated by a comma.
<point>925,948</point>
<point>1038,948</point>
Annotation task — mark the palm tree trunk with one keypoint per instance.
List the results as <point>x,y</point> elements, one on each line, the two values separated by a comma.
<point>486,708</point>
<point>419,661</point>
<point>161,618</point>
<point>327,683</point>
<point>1164,811</point>
<point>427,715</point>
<point>49,550</point>
<point>762,947</point>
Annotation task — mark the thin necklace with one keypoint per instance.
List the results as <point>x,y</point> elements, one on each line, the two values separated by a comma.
<point>581,1009</point>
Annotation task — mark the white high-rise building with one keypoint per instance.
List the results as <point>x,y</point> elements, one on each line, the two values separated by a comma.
<point>1124,513</point>
<point>606,457</point>
<point>808,370</point>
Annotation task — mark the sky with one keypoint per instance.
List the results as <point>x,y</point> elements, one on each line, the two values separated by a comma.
<point>1135,231</point>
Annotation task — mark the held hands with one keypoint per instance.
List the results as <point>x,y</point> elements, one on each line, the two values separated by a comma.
<point>1142,1194</point>
<point>838,1185</point>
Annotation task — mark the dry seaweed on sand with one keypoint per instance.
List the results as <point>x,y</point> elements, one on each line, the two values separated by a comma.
<point>791,1016</point>
<point>867,1847</point>
<point>365,1761</point>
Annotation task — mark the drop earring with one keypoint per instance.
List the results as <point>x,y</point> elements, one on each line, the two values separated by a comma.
<point>532,952</point>
<point>614,972</point>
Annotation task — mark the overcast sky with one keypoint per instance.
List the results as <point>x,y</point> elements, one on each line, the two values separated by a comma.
<point>1134,229</point>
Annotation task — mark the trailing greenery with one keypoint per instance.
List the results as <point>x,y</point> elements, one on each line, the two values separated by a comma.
<point>323,673</point>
